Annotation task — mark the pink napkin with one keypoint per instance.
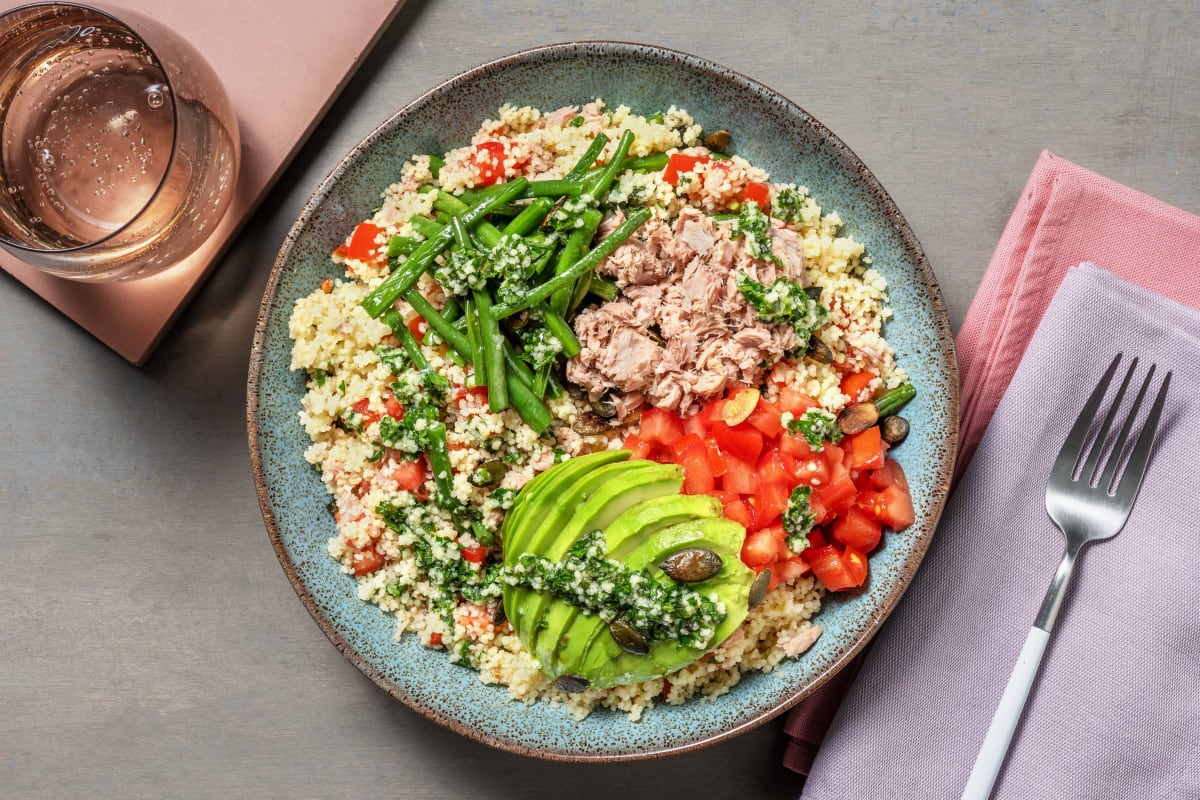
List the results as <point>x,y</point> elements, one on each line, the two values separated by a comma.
<point>1066,215</point>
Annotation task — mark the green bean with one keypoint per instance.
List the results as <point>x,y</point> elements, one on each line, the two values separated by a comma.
<point>554,388</point>
<point>580,293</point>
<point>451,311</point>
<point>396,323</point>
<point>583,265</point>
<point>493,352</point>
<point>445,329</point>
<point>891,401</point>
<point>461,235</point>
<point>435,166</point>
<point>516,366</point>
<point>530,219</point>
<point>439,463</point>
<point>554,188</point>
<point>527,404</point>
<point>541,381</point>
<point>598,185</point>
<point>588,158</point>
<point>403,279</point>
<point>449,204</point>
<point>604,288</point>
<point>401,246</point>
<point>475,337</point>
<point>650,163</point>
<point>426,227</point>
<point>560,330</point>
<point>577,241</point>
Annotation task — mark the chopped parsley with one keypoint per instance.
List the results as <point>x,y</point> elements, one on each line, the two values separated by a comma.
<point>587,579</point>
<point>817,426</point>
<point>798,518</point>
<point>789,203</point>
<point>784,302</point>
<point>753,224</point>
<point>410,435</point>
<point>319,376</point>
<point>540,346</point>
<point>349,420</point>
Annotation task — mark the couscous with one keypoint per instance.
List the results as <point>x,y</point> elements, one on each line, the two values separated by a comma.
<point>588,281</point>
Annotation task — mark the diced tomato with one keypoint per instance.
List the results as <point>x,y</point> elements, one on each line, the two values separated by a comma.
<point>660,427</point>
<point>716,460</point>
<point>724,496</point>
<point>711,411</point>
<point>362,245</point>
<point>866,449</point>
<point>765,417</point>
<point>891,507</point>
<point>795,445</point>
<point>488,161</point>
<point>835,457</point>
<point>688,442</point>
<point>770,501</point>
<point>856,562</point>
<point>394,409</point>
<point>695,424</point>
<point>364,562</point>
<point>783,571</point>
<point>836,496</point>
<point>680,162</point>
<point>818,510</point>
<point>854,386</point>
<point>831,568</point>
<point>478,391</point>
<point>741,440</point>
<point>811,471</point>
<point>692,455</point>
<point>771,468</point>
<point>858,530</point>
<point>435,640</point>
<point>417,327</point>
<point>410,475</point>
<point>475,555</point>
<point>641,449</point>
<point>761,548</point>
<point>794,402</point>
<point>816,539</point>
<point>890,474</point>
<point>740,512</point>
<point>363,409</point>
<point>739,475</point>
<point>758,192</point>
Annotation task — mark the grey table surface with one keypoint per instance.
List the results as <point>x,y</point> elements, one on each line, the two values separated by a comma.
<point>150,645</point>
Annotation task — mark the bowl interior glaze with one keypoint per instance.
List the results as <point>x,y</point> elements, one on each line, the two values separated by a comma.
<point>771,132</point>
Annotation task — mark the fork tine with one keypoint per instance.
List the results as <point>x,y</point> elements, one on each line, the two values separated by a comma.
<point>1131,480</point>
<point>1091,467</point>
<point>1114,461</point>
<point>1068,456</point>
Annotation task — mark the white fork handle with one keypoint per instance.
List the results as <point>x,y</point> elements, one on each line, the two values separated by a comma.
<point>1008,714</point>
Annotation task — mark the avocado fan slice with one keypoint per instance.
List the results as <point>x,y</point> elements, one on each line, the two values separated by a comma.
<point>592,504</point>
<point>566,622</point>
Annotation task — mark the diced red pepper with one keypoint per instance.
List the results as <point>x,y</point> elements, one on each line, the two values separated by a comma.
<point>417,327</point>
<point>866,449</point>
<point>488,161</point>
<point>855,385</point>
<point>476,555</point>
<point>759,193</point>
<point>680,162</point>
<point>362,245</point>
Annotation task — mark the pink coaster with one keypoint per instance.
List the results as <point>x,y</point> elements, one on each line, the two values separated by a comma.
<point>282,62</point>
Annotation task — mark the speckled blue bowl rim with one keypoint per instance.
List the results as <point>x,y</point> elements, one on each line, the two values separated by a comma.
<point>882,596</point>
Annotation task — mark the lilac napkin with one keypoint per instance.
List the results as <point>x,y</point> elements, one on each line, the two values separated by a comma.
<point>1116,710</point>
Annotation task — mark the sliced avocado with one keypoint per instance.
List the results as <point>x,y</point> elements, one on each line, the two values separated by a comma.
<point>610,491</point>
<point>544,486</point>
<point>553,525</point>
<point>564,621</point>
<point>603,661</point>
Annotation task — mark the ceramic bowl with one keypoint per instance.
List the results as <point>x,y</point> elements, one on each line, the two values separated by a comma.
<point>773,133</point>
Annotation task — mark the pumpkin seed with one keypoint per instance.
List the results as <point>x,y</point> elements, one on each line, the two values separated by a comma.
<point>857,418</point>
<point>488,474</point>
<point>604,407</point>
<point>739,408</point>
<point>758,589</point>
<point>590,423</point>
<point>718,140</point>
<point>499,617</point>
<point>893,429</point>
<point>629,639</point>
<point>574,684</point>
<point>818,351</point>
<point>692,565</point>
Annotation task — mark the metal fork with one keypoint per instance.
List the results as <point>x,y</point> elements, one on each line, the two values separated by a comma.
<point>1087,505</point>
